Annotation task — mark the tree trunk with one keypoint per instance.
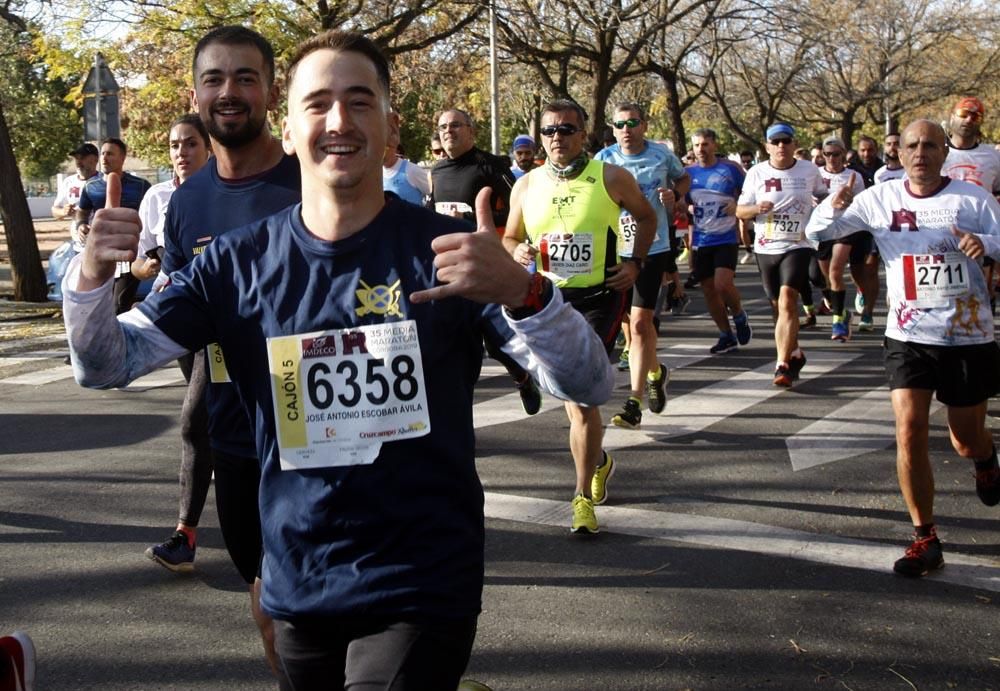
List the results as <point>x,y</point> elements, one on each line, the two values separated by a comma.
<point>25,260</point>
<point>848,127</point>
<point>678,136</point>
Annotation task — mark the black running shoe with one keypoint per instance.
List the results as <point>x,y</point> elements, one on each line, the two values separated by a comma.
<point>656,391</point>
<point>630,417</point>
<point>531,397</point>
<point>782,376</point>
<point>795,365</point>
<point>988,486</point>
<point>922,557</point>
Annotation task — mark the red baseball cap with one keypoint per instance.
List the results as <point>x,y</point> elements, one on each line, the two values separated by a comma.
<point>970,103</point>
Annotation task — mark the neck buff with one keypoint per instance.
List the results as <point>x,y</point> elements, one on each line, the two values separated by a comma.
<point>571,170</point>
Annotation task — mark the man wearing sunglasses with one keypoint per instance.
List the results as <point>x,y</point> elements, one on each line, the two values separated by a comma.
<point>939,338</point>
<point>972,161</point>
<point>564,219</point>
<point>833,255</point>
<point>968,158</point>
<point>663,180</point>
<point>778,195</point>
<point>436,150</point>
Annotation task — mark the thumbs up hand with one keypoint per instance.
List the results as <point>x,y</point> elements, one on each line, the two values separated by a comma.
<point>475,265</point>
<point>113,238</point>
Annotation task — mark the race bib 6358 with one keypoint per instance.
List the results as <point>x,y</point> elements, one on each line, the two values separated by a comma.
<point>338,395</point>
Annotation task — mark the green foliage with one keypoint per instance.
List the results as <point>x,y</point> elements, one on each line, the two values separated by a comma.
<point>43,123</point>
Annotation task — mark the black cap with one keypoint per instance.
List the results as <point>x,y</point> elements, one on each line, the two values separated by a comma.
<point>85,150</point>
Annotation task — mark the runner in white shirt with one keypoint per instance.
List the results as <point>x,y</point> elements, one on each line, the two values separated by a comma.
<point>972,161</point>
<point>969,159</point>
<point>778,195</point>
<point>893,169</point>
<point>833,255</point>
<point>71,186</point>
<point>189,151</point>
<point>939,334</point>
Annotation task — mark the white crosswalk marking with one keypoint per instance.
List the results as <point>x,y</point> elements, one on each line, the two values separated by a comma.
<point>21,353</point>
<point>507,408</point>
<point>686,414</point>
<point>700,409</point>
<point>864,425</point>
<point>45,376</point>
<point>726,533</point>
<point>25,344</point>
<point>166,376</point>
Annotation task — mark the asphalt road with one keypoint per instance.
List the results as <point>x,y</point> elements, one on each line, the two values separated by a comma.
<point>747,543</point>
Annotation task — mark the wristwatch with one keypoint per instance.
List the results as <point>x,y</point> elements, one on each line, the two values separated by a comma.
<point>638,261</point>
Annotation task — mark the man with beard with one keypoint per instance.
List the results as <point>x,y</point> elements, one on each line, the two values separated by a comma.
<point>972,161</point>
<point>523,153</point>
<point>893,169</point>
<point>94,196</point>
<point>867,161</point>
<point>248,178</point>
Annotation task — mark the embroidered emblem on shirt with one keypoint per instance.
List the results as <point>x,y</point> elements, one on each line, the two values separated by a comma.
<point>380,299</point>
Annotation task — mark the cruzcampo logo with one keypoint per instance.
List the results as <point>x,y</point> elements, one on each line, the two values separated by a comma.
<point>378,299</point>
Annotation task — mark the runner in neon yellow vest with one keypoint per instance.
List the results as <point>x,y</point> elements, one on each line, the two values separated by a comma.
<point>564,221</point>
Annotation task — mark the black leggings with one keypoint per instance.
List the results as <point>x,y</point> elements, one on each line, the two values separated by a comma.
<point>126,286</point>
<point>237,482</point>
<point>196,452</point>
<point>369,654</point>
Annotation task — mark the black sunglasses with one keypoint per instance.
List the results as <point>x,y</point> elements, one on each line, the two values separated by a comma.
<point>565,130</point>
<point>781,140</point>
<point>622,124</point>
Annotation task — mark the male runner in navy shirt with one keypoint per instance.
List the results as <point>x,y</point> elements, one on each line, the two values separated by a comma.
<point>352,333</point>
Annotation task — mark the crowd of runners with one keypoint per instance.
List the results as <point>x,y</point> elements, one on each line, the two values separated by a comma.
<point>333,342</point>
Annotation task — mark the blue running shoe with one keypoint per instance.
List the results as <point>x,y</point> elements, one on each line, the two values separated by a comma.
<point>840,330</point>
<point>725,344</point>
<point>743,331</point>
<point>174,554</point>
<point>623,361</point>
